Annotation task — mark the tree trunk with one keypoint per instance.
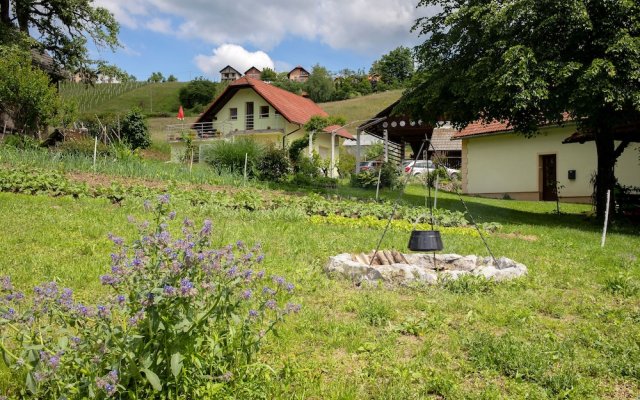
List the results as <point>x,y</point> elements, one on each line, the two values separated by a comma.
<point>605,180</point>
<point>4,13</point>
<point>22,12</point>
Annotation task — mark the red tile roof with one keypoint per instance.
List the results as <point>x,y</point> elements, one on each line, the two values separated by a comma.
<point>293,108</point>
<point>480,128</point>
<point>340,131</point>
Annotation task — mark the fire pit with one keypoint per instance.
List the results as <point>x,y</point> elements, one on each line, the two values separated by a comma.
<point>395,267</point>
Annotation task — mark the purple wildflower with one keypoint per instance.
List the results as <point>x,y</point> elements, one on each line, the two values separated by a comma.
<point>260,258</point>
<point>253,313</point>
<point>147,205</point>
<point>169,290</point>
<point>109,280</point>
<point>247,294</point>
<point>260,274</point>
<point>118,241</point>
<point>120,299</point>
<point>268,291</point>
<point>186,288</point>
<point>232,271</point>
<point>279,280</point>
<point>271,304</point>
<point>206,228</point>
<point>172,215</point>
<point>103,311</point>
<point>164,198</point>
<point>292,308</point>
<point>6,284</point>
<point>290,287</point>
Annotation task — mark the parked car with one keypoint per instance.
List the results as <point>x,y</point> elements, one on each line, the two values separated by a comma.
<point>372,165</point>
<point>426,166</point>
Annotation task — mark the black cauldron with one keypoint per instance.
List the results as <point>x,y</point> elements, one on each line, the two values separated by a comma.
<point>425,241</point>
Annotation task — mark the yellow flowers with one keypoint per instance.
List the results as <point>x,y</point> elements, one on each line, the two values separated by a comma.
<point>370,221</point>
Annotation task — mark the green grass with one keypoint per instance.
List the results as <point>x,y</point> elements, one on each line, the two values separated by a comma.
<point>568,330</point>
<point>361,108</point>
<point>119,98</point>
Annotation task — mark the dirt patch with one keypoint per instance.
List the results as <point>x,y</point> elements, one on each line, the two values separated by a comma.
<point>517,235</point>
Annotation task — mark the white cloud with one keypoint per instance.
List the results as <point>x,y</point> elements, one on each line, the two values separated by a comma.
<point>162,25</point>
<point>234,55</point>
<point>368,26</point>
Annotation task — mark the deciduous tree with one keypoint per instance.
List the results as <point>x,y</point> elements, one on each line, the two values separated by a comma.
<point>530,61</point>
<point>395,67</point>
<point>61,27</point>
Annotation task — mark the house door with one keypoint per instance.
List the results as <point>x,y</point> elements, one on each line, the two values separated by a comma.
<point>548,177</point>
<point>249,118</point>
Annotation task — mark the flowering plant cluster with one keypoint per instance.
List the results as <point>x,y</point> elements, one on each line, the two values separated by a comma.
<point>183,320</point>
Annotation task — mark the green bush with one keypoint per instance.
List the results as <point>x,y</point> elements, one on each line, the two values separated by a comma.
<point>319,182</point>
<point>21,142</point>
<point>346,164</point>
<point>369,179</point>
<point>230,155</point>
<point>274,165</point>
<point>307,166</point>
<point>134,130</point>
<point>199,91</point>
<point>296,147</point>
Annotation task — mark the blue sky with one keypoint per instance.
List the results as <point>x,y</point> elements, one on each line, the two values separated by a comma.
<point>199,37</point>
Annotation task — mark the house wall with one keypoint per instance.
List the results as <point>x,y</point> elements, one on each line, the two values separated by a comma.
<point>510,164</point>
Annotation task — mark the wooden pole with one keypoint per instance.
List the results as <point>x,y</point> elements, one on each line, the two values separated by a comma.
<point>606,219</point>
<point>95,153</point>
<point>378,185</point>
<point>191,163</point>
<point>435,197</point>
<point>246,155</point>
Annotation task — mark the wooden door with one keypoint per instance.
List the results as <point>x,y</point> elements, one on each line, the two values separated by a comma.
<point>249,114</point>
<point>548,177</point>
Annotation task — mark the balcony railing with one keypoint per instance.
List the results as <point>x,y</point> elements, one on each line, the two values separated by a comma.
<point>199,131</point>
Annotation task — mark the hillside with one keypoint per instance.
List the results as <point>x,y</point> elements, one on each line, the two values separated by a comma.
<point>361,108</point>
<point>152,98</point>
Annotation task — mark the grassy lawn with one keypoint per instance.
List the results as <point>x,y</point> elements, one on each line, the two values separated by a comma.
<point>571,329</point>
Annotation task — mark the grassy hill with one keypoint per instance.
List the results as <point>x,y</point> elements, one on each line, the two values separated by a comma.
<point>361,108</point>
<point>152,98</point>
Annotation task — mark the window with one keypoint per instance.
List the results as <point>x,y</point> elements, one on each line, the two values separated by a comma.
<point>264,111</point>
<point>233,114</point>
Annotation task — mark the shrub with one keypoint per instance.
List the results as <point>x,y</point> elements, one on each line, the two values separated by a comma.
<point>369,179</point>
<point>309,167</point>
<point>346,164</point>
<point>295,148</point>
<point>184,321</point>
<point>229,155</point>
<point>199,91</point>
<point>274,165</point>
<point>320,182</point>
<point>21,142</point>
<point>134,130</point>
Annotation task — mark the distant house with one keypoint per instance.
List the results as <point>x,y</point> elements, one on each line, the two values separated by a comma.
<point>253,72</point>
<point>249,107</point>
<point>498,162</point>
<point>298,74</point>
<point>229,74</point>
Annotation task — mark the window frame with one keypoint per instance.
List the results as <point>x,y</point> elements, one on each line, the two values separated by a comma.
<point>265,115</point>
<point>233,116</point>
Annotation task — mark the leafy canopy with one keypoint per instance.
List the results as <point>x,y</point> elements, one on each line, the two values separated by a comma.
<point>528,62</point>
<point>61,27</point>
<point>25,92</point>
<point>395,67</point>
<point>199,91</point>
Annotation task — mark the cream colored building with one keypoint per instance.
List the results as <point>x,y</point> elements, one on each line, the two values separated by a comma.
<point>252,108</point>
<point>496,162</point>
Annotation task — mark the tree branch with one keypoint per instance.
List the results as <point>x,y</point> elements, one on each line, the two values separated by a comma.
<point>618,152</point>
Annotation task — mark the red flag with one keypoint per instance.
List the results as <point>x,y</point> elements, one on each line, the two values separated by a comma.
<point>181,114</point>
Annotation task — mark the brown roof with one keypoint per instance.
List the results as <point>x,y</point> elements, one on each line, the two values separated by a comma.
<point>481,128</point>
<point>441,140</point>
<point>340,131</point>
<point>293,108</point>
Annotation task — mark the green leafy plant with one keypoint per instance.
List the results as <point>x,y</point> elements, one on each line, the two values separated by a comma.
<point>230,155</point>
<point>183,321</point>
<point>274,165</point>
<point>134,130</point>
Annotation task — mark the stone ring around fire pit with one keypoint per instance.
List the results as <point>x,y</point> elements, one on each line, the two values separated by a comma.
<point>395,267</point>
